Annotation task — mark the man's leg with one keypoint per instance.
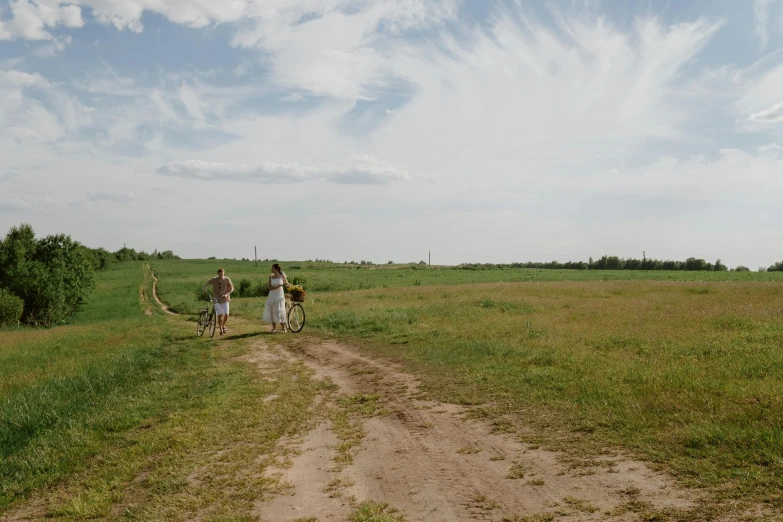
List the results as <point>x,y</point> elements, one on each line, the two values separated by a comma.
<point>221,322</point>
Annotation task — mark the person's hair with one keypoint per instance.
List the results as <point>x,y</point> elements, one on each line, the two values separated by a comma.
<point>277,267</point>
<point>220,270</point>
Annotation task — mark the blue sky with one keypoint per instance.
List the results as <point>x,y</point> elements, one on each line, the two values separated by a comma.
<point>356,129</point>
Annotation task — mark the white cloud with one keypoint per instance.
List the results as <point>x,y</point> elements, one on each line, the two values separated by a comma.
<point>771,147</point>
<point>518,128</point>
<point>111,196</point>
<point>347,62</point>
<point>54,46</point>
<point>767,14</point>
<point>359,171</point>
<point>761,20</point>
<point>20,79</point>
<point>29,19</point>
<point>773,114</point>
<point>50,115</point>
<point>15,205</point>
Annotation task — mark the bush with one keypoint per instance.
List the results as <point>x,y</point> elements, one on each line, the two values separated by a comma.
<point>298,281</point>
<point>261,288</point>
<point>53,276</point>
<point>11,308</point>
<point>248,288</point>
<point>244,288</point>
<point>741,268</point>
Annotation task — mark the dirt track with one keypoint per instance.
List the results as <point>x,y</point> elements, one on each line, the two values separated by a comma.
<point>155,294</point>
<point>427,460</point>
<point>431,462</point>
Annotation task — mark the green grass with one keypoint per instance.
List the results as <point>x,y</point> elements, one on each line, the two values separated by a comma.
<point>123,413</point>
<point>683,369</point>
<point>180,279</point>
<point>118,412</point>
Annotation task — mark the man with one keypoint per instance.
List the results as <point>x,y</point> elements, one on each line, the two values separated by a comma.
<point>221,289</point>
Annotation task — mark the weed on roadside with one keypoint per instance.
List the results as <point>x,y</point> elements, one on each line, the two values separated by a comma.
<point>370,511</point>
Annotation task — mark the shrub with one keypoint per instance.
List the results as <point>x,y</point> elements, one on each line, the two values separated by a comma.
<point>11,308</point>
<point>53,276</point>
<point>741,268</point>
<point>244,288</point>
<point>298,281</point>
<point>261,288</point>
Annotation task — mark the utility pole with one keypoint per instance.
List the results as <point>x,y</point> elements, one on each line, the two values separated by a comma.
<point>644,260</point>
<point>429,257</point>
<point>255,255</point>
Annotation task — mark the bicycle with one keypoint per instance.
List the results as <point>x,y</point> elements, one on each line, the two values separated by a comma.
<point>207,319</point>
<point>295,314</point>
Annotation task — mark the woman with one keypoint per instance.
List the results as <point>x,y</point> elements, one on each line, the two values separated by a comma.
<point>274,309</point>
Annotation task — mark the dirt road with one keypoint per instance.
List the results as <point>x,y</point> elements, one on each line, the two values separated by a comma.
<point>427,460</point>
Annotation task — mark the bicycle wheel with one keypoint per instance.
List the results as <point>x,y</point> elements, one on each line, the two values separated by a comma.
<point>212,322</point>
<point>202,323</point>
<point>296,318</point>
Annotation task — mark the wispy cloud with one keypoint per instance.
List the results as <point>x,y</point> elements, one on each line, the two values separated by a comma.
<point>111,196</point>
<point>359,171</point>
<point>773,114</point>
<point>54,46</point>
<point>509,119</point>
<point>763,20</point>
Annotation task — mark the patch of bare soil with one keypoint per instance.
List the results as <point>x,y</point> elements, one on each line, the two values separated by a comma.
<point>427,460</point>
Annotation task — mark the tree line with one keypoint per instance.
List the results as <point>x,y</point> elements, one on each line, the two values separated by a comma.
<point>100,258</point>
<point>45,281</point>
<point>619,263</point>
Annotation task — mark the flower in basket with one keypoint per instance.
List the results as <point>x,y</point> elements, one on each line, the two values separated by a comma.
<point>296,292</point>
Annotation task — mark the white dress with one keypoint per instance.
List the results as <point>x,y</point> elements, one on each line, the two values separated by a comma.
<point>274,309</point>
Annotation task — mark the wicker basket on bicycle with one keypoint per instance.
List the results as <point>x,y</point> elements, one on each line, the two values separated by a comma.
<point>297,296</point>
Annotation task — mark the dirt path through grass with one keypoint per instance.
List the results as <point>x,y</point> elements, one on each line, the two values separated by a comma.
<point>429,461</point>
<point>155,294</point>
<point>379,442</point>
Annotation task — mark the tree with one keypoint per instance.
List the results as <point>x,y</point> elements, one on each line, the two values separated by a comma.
<point>777,267</point>
<point>52,275</point>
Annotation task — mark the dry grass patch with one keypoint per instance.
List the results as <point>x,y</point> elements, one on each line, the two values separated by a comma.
<point>516,471</point>
<point>580,505</point>
<point>538,517</point>
<point>370,511</point>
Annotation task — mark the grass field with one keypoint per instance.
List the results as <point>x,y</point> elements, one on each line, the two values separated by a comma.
<point>113,415</point>
<point>682,368</point>
<point>124,414</point>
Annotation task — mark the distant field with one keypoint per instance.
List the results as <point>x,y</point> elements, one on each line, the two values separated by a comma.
<point>683,368</point>
<point>183,278</point>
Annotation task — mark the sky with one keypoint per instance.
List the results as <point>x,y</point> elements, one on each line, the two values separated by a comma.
<point>386,130</point>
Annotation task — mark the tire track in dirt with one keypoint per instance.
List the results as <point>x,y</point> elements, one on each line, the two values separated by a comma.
<point>428,460</point>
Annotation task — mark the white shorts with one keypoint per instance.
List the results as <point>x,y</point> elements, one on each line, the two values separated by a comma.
<point>221,308</point>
